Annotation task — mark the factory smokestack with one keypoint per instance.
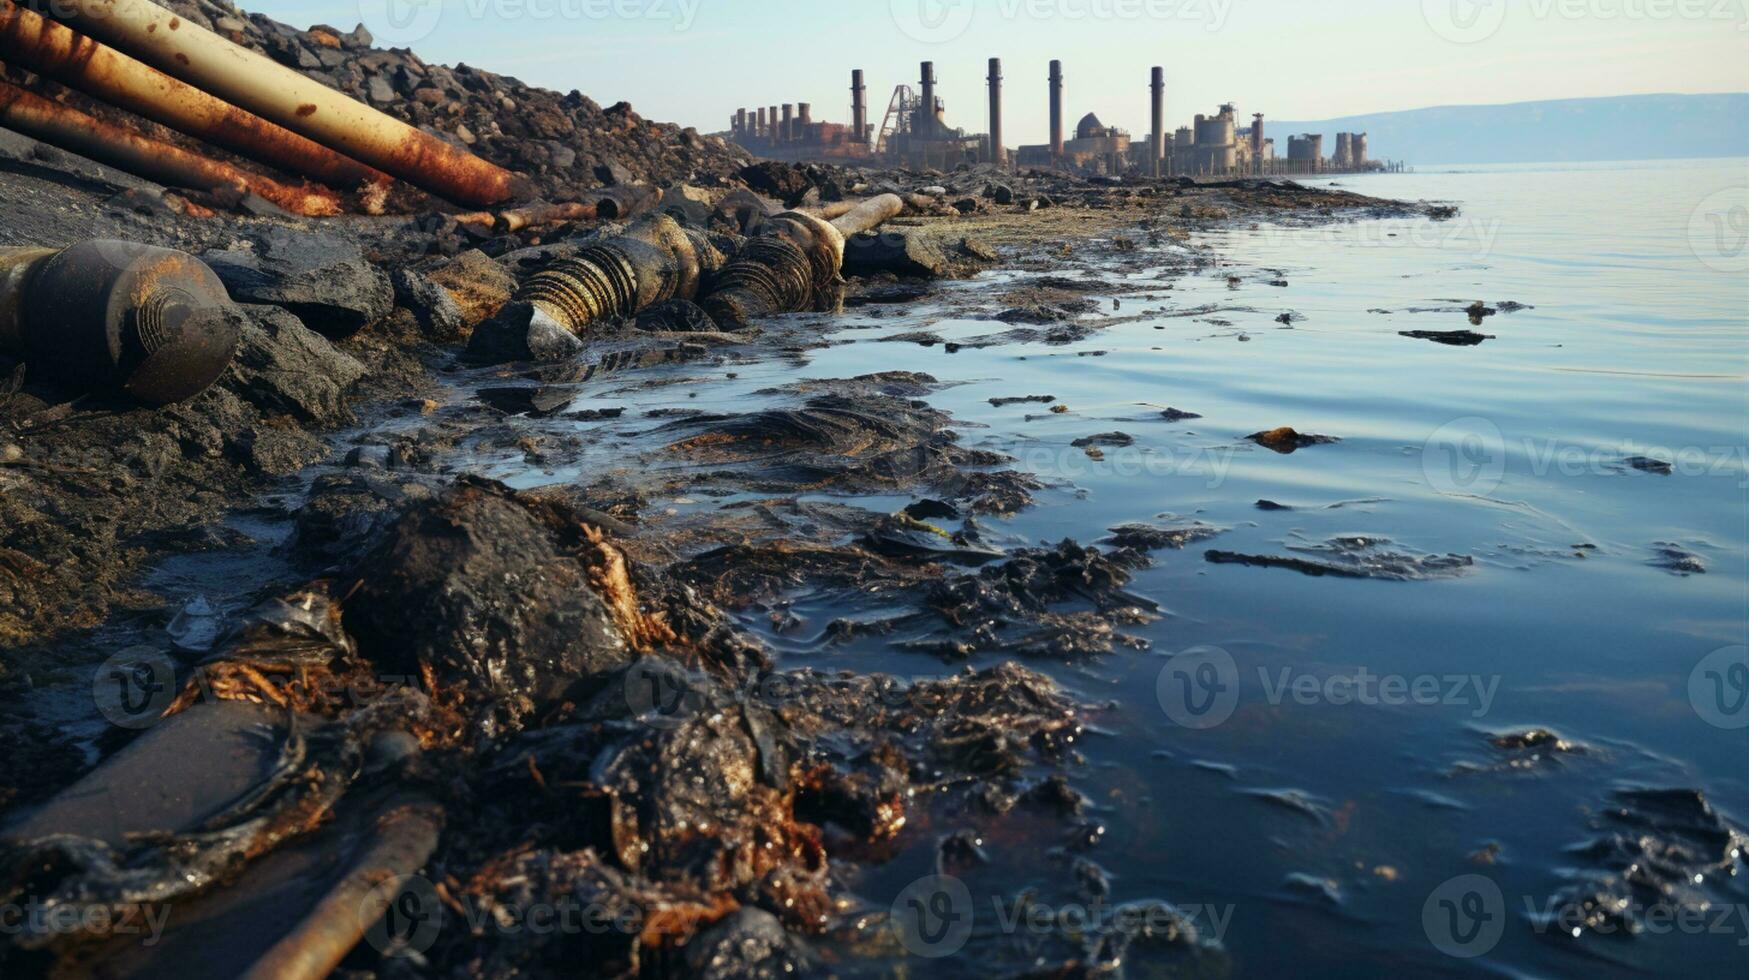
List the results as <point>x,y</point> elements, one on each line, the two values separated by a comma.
<point>858,107</point>
<point>1257,141</point>
<point>1157,143</point>
<point>1056,111</point>
<point>926,120</point>
<point>998,152</point>
<point>787,133</point>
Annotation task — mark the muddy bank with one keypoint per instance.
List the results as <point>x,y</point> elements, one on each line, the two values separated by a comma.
<point>551,686</point>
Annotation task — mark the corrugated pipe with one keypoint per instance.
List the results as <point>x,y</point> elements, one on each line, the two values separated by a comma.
<point>301,104</point>
<point>791,263</point>
<point>153,323</point>
<point>28,40</point>
<point>654,261</point>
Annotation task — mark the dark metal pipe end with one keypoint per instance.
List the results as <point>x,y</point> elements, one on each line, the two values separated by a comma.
<point>154,323</point>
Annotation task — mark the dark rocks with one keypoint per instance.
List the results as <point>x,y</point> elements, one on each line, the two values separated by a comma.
<point>1354,557</point>
<point>1287,441</point>
<point>1152,537</point>
<point>474,584</point>
<point>748,945</point>
<point>282,367</point>
<point>1451,338</point>
<point>1175,415</point>
<point>787,182</point>
<point>897,252</point>
<point>1646,464</point>
<point>479,286</point>
<point>325,281</point>
<point>1677,560</point>
<point>438,314</point>
<point>1116,440</point>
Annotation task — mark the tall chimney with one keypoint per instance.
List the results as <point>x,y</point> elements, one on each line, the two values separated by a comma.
<point>998,152</point>
<point>787,133</point>
<point>1257,141</point>
<point>1056,111</point>
<point>773,133</point>
<point>804,117</point>
<point>926,122</point>
<point>1157,145</point>
<point>858,107</point>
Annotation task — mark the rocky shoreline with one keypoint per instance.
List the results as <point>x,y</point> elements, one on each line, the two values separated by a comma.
<point>556,672</point>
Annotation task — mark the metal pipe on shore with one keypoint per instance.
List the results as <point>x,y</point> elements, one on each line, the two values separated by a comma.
<point>786,267</point>
<point>53,50</point>
<point>152,323</point>
<point>301,104</point>
<point>69,129</point>
<point>653,261</point>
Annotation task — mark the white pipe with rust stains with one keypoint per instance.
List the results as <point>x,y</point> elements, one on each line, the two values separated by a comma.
<point>299,103</point>
<point>869,215</point>
<point>29,40</point>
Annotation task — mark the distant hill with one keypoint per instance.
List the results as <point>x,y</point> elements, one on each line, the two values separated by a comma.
<point>1629,127</point>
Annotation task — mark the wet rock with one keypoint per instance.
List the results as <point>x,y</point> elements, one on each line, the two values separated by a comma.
<point>1023,400</point>
<point>1272,506</point>
<point>1677,560</point>
<point>1154,537</point>
<point>438,314</point>
<point>1287,441</point>
<point>1354,557</point>
<point>1646,464</point>
<point>479,286</point>
<point>1117,440</point>
<point>748,945</point>
<point>897,252</point>
<point>1450,338</point>
<point>1175,415</point>
<point>323,280</point>
<point>473,584</point>
<point>281,367</point>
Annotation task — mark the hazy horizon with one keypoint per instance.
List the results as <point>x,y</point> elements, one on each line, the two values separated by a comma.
<point>695,62</point>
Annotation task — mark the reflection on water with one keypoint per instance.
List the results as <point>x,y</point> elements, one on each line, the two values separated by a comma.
<point>1344,772</point>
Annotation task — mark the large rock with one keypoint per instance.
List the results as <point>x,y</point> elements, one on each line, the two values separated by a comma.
<point>479,286</point>
<point>900,253</point>
<point>473,584</point>
<point>283,367</point>
<point>324,280</point>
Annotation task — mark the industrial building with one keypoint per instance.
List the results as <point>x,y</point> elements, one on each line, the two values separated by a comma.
<point>915,133</point>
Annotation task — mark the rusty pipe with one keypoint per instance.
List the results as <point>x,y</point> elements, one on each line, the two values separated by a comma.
<point>29,40</point>
<point>149,322</point>
<point>301,104</point>
<point>869,215</point>
<point>74,131</point>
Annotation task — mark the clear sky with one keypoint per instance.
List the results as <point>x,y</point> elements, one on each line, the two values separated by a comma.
<point>696,61</point>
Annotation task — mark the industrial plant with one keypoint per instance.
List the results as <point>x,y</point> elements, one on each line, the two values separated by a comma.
<point>915,132</point>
